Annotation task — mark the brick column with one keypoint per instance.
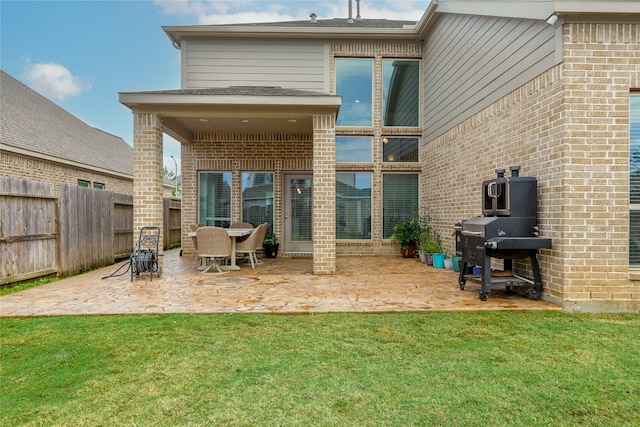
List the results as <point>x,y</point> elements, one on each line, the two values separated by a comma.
<point>324,194</point>
<point>147,174</point>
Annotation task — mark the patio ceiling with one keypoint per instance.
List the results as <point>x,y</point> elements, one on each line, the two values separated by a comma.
<point>237,109</point>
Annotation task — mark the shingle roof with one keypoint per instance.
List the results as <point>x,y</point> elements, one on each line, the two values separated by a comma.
<point>329,23</point>
<point>31,122</point>
<point>238,91</point>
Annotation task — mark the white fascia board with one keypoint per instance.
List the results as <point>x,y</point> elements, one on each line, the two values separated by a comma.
<point>133,99</point>
<point>598,6</point>
<point>70,163</point>
<point>532,9</point>
<point>178,33</point>
<point>536,9</point>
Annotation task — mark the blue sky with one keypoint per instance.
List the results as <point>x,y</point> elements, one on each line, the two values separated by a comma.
<point>80,54</point>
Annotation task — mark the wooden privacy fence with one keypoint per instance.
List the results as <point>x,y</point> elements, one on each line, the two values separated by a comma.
<point>28,232</point>
<point>80,230</point>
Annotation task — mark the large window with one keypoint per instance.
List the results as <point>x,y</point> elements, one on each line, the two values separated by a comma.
<point>401,92</point>
<point>257,199</point>
<point>353,205</point>
<point>353,149</point>
<point>399,149</point>
<point>214,202</point>
<point>634,226</point>
<point>354,82</point>
<point>399,200</point>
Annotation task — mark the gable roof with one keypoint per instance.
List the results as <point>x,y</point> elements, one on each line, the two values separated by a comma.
<point>34,126</point>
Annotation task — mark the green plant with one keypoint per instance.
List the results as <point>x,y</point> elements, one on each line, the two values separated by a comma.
<point>270,239</point>
<point>407,232</point>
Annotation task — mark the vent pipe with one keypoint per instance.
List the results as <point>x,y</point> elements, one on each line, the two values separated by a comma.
<point>350,18</point>
<point>358,17</point>
<point>313,17</point>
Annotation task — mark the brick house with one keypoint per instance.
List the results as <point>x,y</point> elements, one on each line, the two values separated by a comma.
<point>333,130</point>
<point>42,142</point>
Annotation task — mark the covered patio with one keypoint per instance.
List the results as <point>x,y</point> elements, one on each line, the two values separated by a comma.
<point>283,285</point>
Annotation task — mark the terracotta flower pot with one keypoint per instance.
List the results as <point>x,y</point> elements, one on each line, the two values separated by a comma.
<point>409,251</point>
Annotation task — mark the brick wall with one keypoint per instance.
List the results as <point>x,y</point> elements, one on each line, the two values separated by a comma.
<point>147,173</point>
<point>19,166</point>
<point>377,51</point>
<point>569,127</point>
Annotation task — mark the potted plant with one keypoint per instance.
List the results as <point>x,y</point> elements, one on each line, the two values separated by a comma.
<point>271,245</point>
<point>407,234</point>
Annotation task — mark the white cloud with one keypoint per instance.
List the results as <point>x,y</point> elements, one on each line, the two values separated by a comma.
<point>215,12</point>
<point>54,81</point>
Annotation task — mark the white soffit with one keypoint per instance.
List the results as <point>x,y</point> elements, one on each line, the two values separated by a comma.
<point>536,9</point>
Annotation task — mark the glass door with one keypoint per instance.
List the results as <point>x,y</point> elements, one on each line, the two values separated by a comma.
<point>298,210</point>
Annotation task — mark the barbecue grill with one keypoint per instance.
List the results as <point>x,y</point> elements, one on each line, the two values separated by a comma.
<point>507,230</point>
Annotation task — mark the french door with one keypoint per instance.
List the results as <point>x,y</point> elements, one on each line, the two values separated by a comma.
<point>298,210</point>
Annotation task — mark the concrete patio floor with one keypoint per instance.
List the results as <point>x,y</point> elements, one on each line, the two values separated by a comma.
<point>282,285</point>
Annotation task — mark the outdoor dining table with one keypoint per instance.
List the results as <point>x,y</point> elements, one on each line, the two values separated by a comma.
<point>234,233</point>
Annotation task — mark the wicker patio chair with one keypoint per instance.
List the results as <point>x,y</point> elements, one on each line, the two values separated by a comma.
<point>249,245</point>
<point>260,239</point>
<point>214,247</point>
<point>194,239</point>
<point>241,225</point>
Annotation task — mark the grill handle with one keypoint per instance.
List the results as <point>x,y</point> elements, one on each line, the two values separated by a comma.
<point>472,233</point>
<point>494,190</point>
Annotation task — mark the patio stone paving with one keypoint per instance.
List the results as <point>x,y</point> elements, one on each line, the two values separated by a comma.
<point>280,285</point>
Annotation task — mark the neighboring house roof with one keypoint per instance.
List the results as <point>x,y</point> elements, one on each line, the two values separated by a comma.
<point>34,126</point>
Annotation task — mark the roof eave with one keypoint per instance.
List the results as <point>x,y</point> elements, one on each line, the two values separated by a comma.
<point>178,33</point>
<point>134,99</point>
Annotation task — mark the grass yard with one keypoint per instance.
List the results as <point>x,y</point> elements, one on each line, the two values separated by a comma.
<point>426,369</point>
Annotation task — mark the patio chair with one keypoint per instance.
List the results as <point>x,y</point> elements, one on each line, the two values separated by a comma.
<point>241,225</point>
<point>249,245</point>
<point>214,247</point>
<point>260,247</point>
<point>194,239</point>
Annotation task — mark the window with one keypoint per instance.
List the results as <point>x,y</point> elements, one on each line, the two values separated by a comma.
<point>399,200</point>
<point>214,199</point>
<point>83,183</point>
<point>401,92</point>
<point>354,82</point>
<point>353,205</point>
<point>634,181</point>
<point>257,199</point>
<point>98,186</point>
<point>353,149</point>
<point>399,149</point>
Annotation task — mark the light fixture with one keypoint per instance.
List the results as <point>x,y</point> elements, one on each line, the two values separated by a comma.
<point>292,120</point>
<point>245,121</point>
<point>391,157</point>
<point>385,140</point>
<point>203,120</point>
<point>552,19</point>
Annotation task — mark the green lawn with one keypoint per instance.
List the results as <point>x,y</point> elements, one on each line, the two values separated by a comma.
<point>424,369</point>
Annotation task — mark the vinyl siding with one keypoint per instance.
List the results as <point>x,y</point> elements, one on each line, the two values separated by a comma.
<point>290,65</point>
<point>472,61</point>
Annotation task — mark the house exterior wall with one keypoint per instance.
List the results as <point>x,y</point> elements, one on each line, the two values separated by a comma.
<point>237,153</point>
<point>472,61</point>
<point>31,168</point>
<point>569,127</point>
<point>288,153</point>
<point>284,63</point>
<point>377,51</point>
